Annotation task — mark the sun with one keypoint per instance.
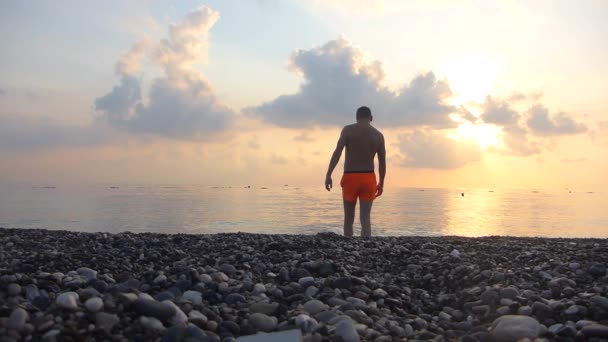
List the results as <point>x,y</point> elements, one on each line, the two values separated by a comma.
<point>471,76</point>
<point>484,135</point>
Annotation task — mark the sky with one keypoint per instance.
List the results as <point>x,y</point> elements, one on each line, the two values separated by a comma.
<point>468,94</point>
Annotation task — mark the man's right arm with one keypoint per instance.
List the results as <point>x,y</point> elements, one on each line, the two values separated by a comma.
<point>381,166</point>
<point>335,158</point>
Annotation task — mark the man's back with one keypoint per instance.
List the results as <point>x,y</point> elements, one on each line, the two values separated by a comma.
<point>362,141</point>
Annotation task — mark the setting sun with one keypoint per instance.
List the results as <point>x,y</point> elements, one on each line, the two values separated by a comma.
<point>471,77</point>
<point>484,135</point>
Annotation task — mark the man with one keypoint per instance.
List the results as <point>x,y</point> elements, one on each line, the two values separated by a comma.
<point>362,142</point>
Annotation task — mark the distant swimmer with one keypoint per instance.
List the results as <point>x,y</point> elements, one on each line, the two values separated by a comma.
<point>363,142</point>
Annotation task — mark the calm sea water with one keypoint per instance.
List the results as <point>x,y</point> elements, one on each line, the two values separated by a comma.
<point>291,210</point>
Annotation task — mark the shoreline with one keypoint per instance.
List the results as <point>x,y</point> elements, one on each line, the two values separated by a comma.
<point>58,284</point>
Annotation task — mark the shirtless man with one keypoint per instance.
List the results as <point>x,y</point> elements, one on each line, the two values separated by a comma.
<point>362,142</point>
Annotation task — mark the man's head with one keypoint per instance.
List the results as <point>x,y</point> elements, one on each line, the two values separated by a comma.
<point>364,113</point>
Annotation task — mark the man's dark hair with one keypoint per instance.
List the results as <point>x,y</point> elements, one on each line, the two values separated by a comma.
<point>364,113</point>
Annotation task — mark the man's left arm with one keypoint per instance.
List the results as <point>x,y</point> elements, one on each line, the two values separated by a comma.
<point>381,167</point>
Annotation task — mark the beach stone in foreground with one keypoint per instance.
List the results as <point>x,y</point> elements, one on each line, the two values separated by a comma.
<point>595,330</point>
<point>513,328</point>
<point>153,308</point>
<point>68,300</point>
<point>17,319</point>
<point>263,322</point>
<point>148,287</point>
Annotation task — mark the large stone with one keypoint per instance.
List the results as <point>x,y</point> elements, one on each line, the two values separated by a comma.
<point>194,297</point>
<point>263,322</point>
<point>179,318</point>
<point>347,331</point>
<point>160,310</point>
<point>87,273</point>
<point>513,328</point>
<point>106,321</point>
<point>94,304</point>
<point>595,330</point>
<point>151,323</point>
<point>314,306</point>
<point>68,300</point>
<point>13,289</point>
<point>234,298</point>
<point>17,319</point>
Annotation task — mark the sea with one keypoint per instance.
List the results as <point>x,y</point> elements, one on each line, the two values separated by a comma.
<point>198,209</point>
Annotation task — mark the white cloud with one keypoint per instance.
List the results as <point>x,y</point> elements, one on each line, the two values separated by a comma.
<point>181,104</point>
<point>433,150</point>
<point>560,123</point>
<point>338,78</point>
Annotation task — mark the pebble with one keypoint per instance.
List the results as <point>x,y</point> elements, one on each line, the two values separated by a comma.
<point>153,308</point>
<point>68,300</point>
<point>17,319</point>
<point>94,304</point>
<point>314,306</point>
<point>151,323</point>
<point>13,289</point>
<point>179,317</point>
<point>106,321</point>
<point>346,330</point>
<point>306,282</point>
<point>595,330</point>
<point>263,322</point>
<point>513,328</point>
<point>306,323</point>
<point>234,298</point>
<point>194,297</point>
<point>88,273</point>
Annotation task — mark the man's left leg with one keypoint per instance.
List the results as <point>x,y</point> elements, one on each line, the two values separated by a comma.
<point>349,217</point>
<point>365,210</point>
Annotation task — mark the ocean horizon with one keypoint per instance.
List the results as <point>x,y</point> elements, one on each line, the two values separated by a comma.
<point>202,209</point>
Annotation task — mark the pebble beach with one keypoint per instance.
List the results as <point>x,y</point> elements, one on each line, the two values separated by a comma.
<point>73,286</point>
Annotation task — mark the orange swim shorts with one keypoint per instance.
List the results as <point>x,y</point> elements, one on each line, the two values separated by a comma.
<point>361,185</point>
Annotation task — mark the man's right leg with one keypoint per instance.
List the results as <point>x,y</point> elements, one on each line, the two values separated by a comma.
<point>349,217</point>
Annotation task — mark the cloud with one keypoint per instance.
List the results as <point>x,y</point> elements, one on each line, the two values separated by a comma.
<point>338,78</point>
<point>514,136</point>
<point>519,96</point>
<point>433,150</point>
<point>304,137</point>
<point>2,92</point>
<point>279,160</point>
<point>561,123</point>
<point>180,104</point>
<point>499,113</point>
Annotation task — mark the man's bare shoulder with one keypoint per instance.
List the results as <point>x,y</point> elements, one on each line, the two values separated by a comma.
<point>377,132</point>
<point>349,127</point>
